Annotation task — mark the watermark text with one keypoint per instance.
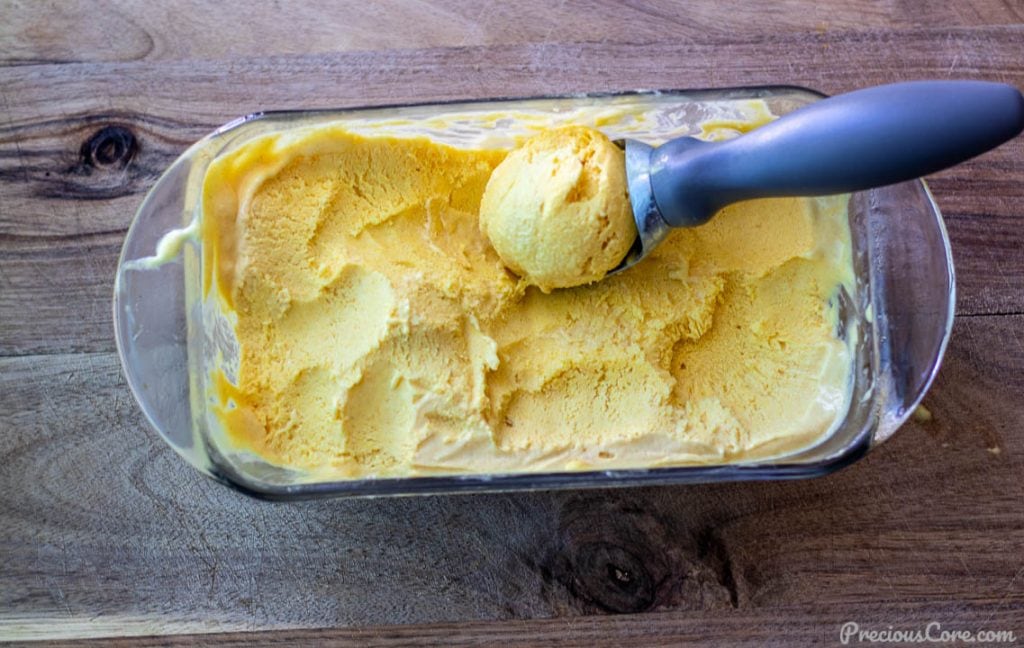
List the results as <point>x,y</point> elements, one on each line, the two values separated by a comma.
<point>851,632</point>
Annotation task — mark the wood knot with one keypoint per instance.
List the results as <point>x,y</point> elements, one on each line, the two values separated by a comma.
<point>110,146</point>
<point>612,577</point>
<point>624,556</point>
<point>609,557</point>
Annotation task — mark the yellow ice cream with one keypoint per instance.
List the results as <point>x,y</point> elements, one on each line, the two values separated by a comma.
<point>557,210</point>
<point>380,334</point>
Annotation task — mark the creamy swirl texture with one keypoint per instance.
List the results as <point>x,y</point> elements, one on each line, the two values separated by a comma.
<point>381,334</point>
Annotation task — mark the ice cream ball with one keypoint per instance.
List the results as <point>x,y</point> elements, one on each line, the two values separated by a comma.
<point>557,208</point>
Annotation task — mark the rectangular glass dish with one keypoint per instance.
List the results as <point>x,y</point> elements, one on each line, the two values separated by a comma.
<point>170,337</point>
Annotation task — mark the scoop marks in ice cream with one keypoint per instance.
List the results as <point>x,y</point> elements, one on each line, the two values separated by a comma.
<point>380,334</point>
<point>557,209</point>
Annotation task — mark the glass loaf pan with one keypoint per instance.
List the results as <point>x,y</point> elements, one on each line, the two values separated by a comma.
<point>169,338</point>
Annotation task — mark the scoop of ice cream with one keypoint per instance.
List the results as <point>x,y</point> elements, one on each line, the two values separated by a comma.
<point>557,210</point>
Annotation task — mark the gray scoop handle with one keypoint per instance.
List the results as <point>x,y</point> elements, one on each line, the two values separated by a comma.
<point>850,142</point>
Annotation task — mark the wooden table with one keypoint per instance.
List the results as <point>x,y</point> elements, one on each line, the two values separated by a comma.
<point>105,532</point>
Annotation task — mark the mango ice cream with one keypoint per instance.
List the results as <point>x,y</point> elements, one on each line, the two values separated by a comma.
<point>381,334</point>
<point>557,210</point>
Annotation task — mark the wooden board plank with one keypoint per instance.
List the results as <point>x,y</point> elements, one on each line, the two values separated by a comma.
<point>107,532</point>
<point>101,30</point>
<point>220,90</point>
<point>794,625</point>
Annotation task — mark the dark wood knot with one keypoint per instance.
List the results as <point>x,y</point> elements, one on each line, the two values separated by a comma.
<point>613,577</point>
<point>622,555</point>
<point>609,555</point>
<point>110,146</point>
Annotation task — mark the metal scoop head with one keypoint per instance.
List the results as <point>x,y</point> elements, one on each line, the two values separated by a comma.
<point>651,227</point>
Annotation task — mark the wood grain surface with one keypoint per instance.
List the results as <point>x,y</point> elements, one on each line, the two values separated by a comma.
<point>105,532</point>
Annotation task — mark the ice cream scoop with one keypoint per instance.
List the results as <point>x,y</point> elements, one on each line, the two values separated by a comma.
<point>851,142</point>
